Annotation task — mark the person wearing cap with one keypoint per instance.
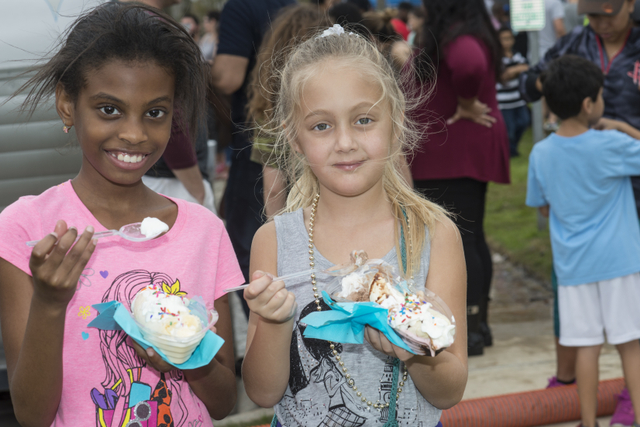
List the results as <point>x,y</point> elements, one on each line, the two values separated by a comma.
<point>612,42</point>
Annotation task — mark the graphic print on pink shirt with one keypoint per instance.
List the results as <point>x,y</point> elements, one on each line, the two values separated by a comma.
<point>133,396</point>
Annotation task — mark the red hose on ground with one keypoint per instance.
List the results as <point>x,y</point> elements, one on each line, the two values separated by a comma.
<point>529,409</point>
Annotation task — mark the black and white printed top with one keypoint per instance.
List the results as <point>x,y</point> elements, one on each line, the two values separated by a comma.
<point>509,96</point>
<point>318,394</point>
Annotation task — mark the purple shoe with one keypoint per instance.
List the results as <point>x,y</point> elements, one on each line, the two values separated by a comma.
<point>623,416</point>
<point>553,383</point>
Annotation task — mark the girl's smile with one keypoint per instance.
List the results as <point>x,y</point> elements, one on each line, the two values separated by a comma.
<point>349,166</point>
<point>127,160</point>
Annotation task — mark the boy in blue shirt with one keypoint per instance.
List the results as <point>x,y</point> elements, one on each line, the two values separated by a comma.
<point>579,177</point>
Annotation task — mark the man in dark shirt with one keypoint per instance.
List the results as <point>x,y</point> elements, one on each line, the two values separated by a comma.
<point>242,26</point>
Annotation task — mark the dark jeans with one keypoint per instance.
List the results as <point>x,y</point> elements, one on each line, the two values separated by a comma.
<point>465,197</point>
<point>243,208</point>
<point>517,121</point>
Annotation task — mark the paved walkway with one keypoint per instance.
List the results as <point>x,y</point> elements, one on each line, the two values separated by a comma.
<point>523,355</point>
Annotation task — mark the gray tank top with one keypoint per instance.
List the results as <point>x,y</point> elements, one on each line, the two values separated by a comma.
<point>318,394</point>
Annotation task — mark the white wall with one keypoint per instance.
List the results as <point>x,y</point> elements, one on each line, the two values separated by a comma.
<point>29,28</point>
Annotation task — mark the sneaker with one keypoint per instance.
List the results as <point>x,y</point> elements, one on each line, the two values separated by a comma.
<point>623,416</point>
<point>553,383</point>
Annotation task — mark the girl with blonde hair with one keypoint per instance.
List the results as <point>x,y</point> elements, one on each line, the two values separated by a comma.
<point>340,127</point>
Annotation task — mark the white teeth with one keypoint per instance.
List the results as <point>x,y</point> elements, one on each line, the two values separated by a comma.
<point>128,158</point>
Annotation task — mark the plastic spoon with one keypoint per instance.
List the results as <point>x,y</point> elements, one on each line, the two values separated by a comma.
<point>129,232</point>
<point>336,270</point>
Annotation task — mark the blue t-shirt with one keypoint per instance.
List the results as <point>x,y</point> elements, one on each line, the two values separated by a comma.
<point>621,75</point>
<point>592,218</point>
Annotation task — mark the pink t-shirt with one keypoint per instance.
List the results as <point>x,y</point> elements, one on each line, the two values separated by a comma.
<point>104,381</point>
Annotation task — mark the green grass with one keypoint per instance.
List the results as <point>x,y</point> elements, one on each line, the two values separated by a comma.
<point>511,226</point>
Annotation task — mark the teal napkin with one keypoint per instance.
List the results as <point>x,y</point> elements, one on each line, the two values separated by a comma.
<point>113,316</point>
<point>346,321</point>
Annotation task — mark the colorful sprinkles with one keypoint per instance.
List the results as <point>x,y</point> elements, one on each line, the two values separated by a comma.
<point>159,293</point>
<point>412,306</point>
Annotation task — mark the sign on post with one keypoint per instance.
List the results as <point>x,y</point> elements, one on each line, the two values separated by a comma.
<point>527,15</point>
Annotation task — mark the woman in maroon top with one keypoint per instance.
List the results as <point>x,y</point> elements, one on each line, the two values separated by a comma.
<point>467,144</point>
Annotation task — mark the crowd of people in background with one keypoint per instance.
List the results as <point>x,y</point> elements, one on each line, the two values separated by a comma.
<point>467,79</point>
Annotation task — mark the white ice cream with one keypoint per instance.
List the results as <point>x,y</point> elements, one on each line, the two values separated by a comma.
<point>165,314</point>
<point>383,293</point>
<point>421,319</point>
<point>152,227</point>
<point>353,283</point>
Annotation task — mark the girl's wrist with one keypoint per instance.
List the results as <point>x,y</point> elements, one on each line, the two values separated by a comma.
<point>48,307</point>
<point>286,324</point>
<point>466,103</point>
<point>203,371</point>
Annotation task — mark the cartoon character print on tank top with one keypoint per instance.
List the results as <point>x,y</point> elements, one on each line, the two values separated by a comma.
<point>313,362</point>
<point>130,396</point>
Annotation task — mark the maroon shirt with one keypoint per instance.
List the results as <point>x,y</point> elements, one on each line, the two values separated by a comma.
<point>180,152</point>
<point>464,149</point>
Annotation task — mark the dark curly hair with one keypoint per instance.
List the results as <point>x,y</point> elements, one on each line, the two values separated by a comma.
<point>567,82</point>
<point>129,32</point>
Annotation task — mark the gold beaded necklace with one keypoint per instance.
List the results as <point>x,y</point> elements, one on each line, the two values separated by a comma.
<point>350,381</point>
